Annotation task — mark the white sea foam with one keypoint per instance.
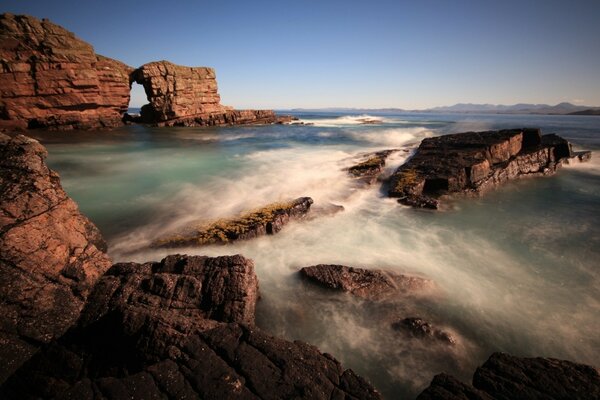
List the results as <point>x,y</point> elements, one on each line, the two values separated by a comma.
<point>348,120</point>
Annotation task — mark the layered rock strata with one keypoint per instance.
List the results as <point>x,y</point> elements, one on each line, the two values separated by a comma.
<point>51,79</point>
<point>365,283</point>
<point>473,162</point>
<point>506,377</point>
<point>160,330</point>
<point>50,254</point>
<point>188,96</point>
<point>264,221</point>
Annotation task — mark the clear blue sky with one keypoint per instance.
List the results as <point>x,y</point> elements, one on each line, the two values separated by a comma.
<point>305,53</point>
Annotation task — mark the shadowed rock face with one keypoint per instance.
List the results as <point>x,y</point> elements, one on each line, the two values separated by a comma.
<point>146,333</point>
<point>505,377</point>
<point>264,221</point>
<point>50,254</point>
<point>188,96</point>
<point>51,79</point>
<point>370,284</point>
<point>473,162</point>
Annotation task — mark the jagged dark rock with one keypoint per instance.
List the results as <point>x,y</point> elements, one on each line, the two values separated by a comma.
<point>505,377</point>
<point>474,162</point>
<point>50,254</point>
<point>159,330</point>
<point>263,221</point>
<point>418,328</point>
<point>368,171</point>
<point>370,284</point>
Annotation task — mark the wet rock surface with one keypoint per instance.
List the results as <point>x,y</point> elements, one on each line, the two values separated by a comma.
<point>51,79</point>
<point>369,170</point>
<point>507,377</point>
<point>365,283</point>
<point>264,221</point>
<point>50,254</point>
<point>159,330</point>
<point>474,162</point>
<point>419,328</point>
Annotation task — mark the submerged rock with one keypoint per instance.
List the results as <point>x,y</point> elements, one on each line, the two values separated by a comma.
<point>50,254</point>
<point>264,221</point>
<point>52,79</point>
<point>507,377</point>
<point>365,283</point>
<point>159,330</point>
<point>369,170</point>
<point>418,328</point>
<point>473,162</point>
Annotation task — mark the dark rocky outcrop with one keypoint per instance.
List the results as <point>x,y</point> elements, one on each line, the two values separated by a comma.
<point>419,328</point>
<point>159,330</point>
<point>51,79</point>
<point>50,254</point>
<point>264,221</point>
<point>370,284</point>
<point>473,162</point>
<point>505,377</point>
<point>188,96</point>
<point>368,171</point>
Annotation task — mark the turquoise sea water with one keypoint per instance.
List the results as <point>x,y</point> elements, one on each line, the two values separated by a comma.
<point>517,270</point>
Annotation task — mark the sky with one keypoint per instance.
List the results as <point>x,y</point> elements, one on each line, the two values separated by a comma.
<point>365,54</point>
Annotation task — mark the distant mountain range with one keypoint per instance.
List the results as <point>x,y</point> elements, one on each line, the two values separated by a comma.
<point>521,108</point>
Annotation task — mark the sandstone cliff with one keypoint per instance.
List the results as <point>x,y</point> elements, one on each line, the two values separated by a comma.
<point>188,96</point>
<point>50,254</point>
<point>51,79</point>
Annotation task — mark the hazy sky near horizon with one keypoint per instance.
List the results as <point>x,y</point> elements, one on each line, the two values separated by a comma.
<point>310,53</point>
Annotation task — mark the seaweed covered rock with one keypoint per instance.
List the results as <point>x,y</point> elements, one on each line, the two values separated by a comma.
<point>365,283</point>
<point>368,171</point>
<point>506,377</point>
<point>473,162</point>
<point>50,254</point>
<point>51,79</point>
<point>263,221</point>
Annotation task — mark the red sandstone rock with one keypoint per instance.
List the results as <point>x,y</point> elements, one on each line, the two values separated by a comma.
<point>50,78</point>
<point>50,254</point>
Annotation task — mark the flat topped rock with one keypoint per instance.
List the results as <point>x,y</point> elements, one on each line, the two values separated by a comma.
<point>473,162</point>
<point>365,283</point>
<point>263,221</point>
<point>504,376</point>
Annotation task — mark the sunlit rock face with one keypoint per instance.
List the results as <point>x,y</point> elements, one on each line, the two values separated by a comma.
<point>49,78</point>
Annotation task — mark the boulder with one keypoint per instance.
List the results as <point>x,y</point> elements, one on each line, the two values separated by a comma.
<point>49,78</point>
<point>474,162</point>
<point>50,254</point>
<point>506,377</point>
<point>365,283</point>
<point>267,220</point>
<point>188,96</point>
<point>179,328</point>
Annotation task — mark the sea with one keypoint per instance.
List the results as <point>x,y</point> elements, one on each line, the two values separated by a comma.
<point>516,270</point>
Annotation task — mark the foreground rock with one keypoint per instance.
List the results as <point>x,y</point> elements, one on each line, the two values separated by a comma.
<point>418,328</point>
<point>506,377</point>
<point>51,79</point>
<point>365,283</point>
<point>264,221</point>
<point>159,330</point>
<point>369,170</point>
<point>473,162</point>
<point>50,254</point>
<point>188,96</point>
